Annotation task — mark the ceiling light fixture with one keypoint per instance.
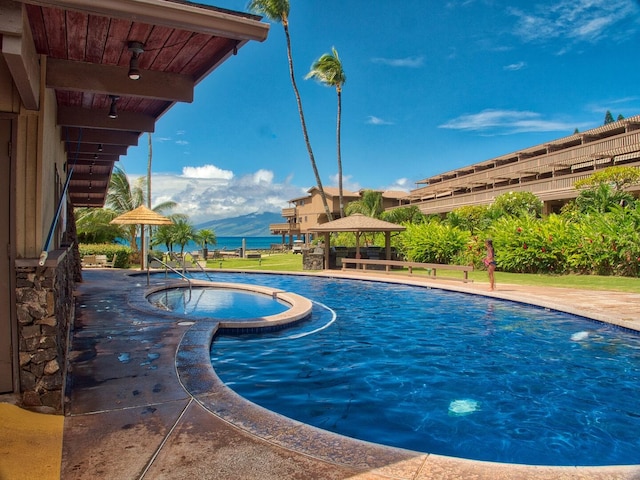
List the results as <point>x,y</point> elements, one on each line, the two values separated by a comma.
<point>136,49</point>
<point>99,147</point>
<point>113,110</point>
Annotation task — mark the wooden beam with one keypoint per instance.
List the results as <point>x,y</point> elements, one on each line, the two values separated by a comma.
<point>77,190</point>
<point>99,119</point>
<point>91,162</point>
<point>92,157</point>
<point>19,52</point>
<point>106,137</point>
<point>87,177</point>
<point>81,201</point>
<point>91,148</point>
<point>112,80</point>
<point>183,16</point>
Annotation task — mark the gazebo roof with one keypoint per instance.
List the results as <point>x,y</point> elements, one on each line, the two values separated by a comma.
<point>141,215</point>
<point>358,223</point>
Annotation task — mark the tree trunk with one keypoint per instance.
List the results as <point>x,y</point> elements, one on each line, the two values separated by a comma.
<point>304,125</point>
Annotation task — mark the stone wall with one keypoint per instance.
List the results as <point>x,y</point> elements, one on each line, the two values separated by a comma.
<point>45,312</point>
<point>312,259</point>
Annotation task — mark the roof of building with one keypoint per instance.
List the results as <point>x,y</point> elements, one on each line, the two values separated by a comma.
<point>358,223</point>
<point>89,45</point>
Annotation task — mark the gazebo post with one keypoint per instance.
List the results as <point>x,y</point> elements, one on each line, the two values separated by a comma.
<point>358,224</point>
<point>387,245</point>
<point>327,249</point>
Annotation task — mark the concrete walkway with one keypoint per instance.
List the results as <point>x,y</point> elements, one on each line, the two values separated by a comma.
<point>144,403</point>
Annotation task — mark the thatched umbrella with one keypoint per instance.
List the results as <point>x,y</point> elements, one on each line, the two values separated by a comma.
<point>358,224</point>
<point>142,216</point>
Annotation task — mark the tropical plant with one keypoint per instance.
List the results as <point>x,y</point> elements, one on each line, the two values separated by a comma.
<point>602,198</point>
<point>163,236</point>
<point>474,218</point>
<point>516,204</point>
<point>182,232</point>
<point>618,177</point>
<point>402,215</point>
<point>92,225</point>
<point>122,197</point>
<point>370,204</point>
<point>204,237</point>
<point>529,245</point>
<point>278,11</point>
<point>328,70</point>
<point>432,242</point>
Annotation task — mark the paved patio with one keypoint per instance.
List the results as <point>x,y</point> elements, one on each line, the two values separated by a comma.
<point>143,401</point>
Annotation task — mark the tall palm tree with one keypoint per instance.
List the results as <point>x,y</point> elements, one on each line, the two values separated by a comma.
<point>278,11</point>
<point>328,70</point>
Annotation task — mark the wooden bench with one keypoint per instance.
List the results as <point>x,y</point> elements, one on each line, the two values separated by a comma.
<point>432,268</point>
<point>89,261</point>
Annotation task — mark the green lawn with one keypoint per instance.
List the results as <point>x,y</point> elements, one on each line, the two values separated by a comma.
<point>288,262</point>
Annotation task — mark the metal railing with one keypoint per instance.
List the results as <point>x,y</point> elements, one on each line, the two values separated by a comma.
<point>169,267</point>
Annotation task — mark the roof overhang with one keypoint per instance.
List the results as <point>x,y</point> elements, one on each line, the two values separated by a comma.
<point>83,47</point>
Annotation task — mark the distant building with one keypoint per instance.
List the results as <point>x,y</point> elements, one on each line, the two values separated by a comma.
<point>548,170</point>
<point>308,211</point>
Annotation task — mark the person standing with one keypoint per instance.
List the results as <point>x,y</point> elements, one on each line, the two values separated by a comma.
<point>490,263</point>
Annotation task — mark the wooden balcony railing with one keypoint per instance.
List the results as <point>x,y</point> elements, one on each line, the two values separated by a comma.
<point>289,228</point>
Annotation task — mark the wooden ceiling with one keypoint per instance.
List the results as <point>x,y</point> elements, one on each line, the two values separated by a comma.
<point>86,44</point>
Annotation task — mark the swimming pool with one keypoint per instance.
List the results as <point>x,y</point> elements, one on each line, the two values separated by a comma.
<point>223,303</point>
<point>486,379</point>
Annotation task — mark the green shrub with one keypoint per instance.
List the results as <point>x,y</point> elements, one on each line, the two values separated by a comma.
<point>529,245</point>
<point>433,242</point>
<point>108,249</point>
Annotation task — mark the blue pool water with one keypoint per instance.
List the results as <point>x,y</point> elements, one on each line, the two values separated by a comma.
<point>444,373</point>
<point>222,303</point>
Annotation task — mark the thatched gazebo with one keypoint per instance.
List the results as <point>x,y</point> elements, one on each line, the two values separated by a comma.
<point>358,224</point>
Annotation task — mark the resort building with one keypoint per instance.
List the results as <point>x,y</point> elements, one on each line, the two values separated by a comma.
<point>80,82</point>
<point>548,170</point>
<point>306,213</point>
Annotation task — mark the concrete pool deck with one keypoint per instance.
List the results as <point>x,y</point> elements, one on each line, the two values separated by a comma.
<point>143,403</point>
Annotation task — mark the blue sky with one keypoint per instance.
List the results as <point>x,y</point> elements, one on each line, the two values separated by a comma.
<point>431,86</point>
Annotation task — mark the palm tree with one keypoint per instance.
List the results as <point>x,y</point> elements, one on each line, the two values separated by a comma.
<point>122,198</point>
<point>278,11</point>
<point>370,204</point>
<point>182,232</point>
<point>328,70</point>
<point>204,237</point>
<point>92,225</point>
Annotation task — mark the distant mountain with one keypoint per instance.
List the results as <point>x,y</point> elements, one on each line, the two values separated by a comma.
<point>252,225</point>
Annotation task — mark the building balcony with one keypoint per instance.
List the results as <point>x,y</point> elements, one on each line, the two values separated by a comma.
<point>289,212</point>
<point>285,228</point>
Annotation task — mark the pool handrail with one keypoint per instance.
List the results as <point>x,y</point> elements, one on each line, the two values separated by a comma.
<point>169,267</point>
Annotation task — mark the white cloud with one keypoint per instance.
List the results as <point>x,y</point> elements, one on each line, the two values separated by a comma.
<point>508,122</point>
<point>347,183</point>
<point>209,193</point>
<point>402,184</point>
<point>572,20</point>
<point>207,171</point>
<point>371,120</point>
<point>408,62</point>
<point>514,67</point>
